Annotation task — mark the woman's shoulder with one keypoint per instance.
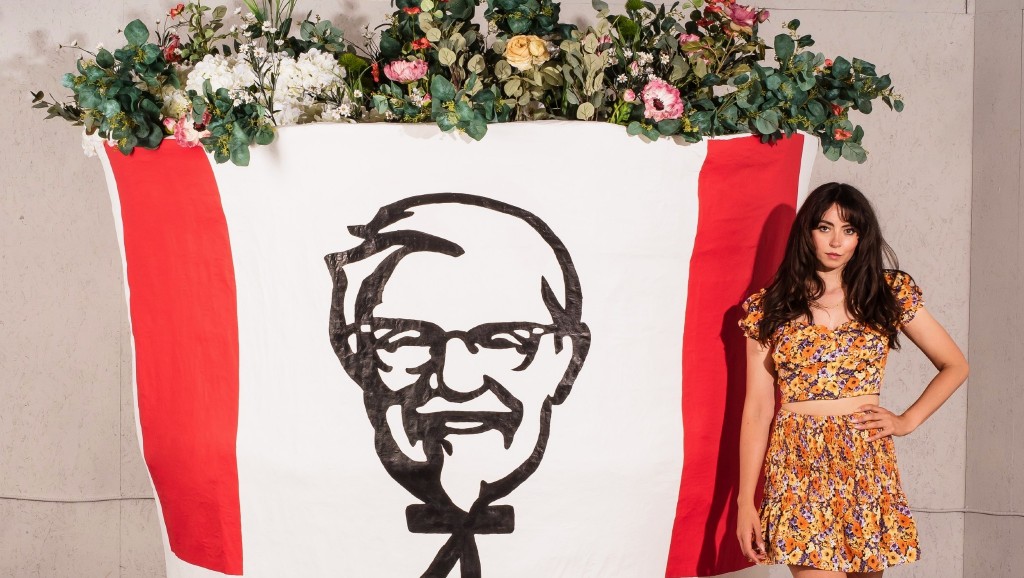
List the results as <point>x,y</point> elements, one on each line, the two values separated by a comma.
<point>907,292</point>
<point>754,302</point>
<point>897,278</point>
<point>753,308</point>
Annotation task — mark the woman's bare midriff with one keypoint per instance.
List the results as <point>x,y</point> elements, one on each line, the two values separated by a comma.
<point>844,406</point>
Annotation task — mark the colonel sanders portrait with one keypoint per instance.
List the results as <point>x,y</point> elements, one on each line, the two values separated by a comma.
<point>460,317</point>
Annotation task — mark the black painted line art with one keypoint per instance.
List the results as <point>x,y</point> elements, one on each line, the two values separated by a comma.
<point>463,336</point>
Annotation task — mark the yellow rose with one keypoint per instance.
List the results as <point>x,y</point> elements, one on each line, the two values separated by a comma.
<point>525,51</point>
<point>538,50</point>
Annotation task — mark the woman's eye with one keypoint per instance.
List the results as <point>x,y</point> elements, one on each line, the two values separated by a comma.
<point>851,231</point>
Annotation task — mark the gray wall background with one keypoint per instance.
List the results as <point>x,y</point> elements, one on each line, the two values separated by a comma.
<point>944,176</point>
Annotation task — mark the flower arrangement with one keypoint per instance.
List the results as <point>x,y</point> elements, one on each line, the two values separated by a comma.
<point>689,70</point>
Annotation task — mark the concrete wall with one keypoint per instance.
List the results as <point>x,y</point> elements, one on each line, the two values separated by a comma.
<point>995,468</point>
<point>74,496</point>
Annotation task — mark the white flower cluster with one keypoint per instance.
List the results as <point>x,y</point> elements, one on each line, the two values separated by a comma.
<point>223,72</point>
<point>176,102</point>
<point>314,76</point>
<point>303,85</point>
<point>417,97</point>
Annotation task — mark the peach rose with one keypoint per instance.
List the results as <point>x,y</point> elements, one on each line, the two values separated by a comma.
<point>526,51</point>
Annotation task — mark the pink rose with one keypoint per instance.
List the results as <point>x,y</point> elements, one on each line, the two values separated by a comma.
<point>405,71</point>
<point>661,101</point>
<point>763,15</point>
<point>628,95</point>
<point>688,39</point>
<point>184,131</point>
<point>743,16</point>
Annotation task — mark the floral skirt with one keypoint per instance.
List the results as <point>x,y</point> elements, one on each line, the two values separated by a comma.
<point>833,500</point>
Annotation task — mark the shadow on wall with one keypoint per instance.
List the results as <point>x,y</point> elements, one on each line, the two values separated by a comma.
<point>769,255</point>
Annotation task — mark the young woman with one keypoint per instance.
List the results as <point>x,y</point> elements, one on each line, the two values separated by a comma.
<point>833,505</point>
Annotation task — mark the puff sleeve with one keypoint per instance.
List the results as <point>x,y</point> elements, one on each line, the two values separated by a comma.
<point>754,312</point>
<point>908,294</point>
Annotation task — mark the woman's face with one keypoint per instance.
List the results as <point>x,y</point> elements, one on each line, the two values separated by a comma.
<point>835,240</point>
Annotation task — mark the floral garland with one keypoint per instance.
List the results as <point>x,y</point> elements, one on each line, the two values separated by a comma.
<point>688,70</point>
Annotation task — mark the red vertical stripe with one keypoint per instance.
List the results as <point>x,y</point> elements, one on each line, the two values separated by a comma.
<point>185,326</point>
<point>748,194</point>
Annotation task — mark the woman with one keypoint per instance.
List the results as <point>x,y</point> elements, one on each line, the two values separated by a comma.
<point>833,505</point>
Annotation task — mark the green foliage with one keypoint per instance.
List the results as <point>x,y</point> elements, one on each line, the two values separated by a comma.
<point>116,93</point>
<point>205,25</point>
<point>689,70</point>
<point>526,17</point>
<point>233,129</point>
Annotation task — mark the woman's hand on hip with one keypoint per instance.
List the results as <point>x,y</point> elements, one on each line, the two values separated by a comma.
<point>880,422</point>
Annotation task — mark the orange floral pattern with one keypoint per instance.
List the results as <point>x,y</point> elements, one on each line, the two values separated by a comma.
<point>832,499</point>
<point>815,362</point>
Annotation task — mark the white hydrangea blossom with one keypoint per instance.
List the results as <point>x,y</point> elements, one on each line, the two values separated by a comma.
<point>176,102</point>
<point>301,82</point>
<point>222,72</point>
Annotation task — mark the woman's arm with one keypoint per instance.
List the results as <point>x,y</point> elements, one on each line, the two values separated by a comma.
<point>758,410</point>
<point>929,335</point>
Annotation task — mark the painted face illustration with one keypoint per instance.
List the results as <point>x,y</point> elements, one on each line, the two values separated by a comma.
<point>464,331</point>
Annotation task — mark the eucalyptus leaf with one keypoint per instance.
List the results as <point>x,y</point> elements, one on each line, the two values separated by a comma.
<point>477,129</point>
<point>476,64</point>
<point>513,87</point>
<point>425,21</point>
<point>840,68</point>
<point>502,69</point>
<point>104,58</point>
<point>434,34</point>
<point>784,47</point>
<point>585,111</point>
<point>441,88</point>
<point>240,156</point>
<point>445,56</point>
<point>669,127</point>
<point>458,42</point>
<point>136,33</point>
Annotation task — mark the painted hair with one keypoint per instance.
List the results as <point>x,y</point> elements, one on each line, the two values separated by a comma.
<point>869,298</point>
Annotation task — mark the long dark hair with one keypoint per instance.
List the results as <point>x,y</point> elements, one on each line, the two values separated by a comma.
<point>869,299</point>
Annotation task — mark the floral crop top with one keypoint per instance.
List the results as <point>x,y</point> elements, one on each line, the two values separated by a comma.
<point>813,362</point>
